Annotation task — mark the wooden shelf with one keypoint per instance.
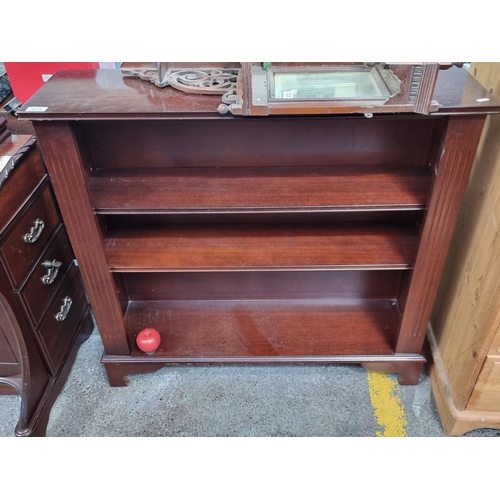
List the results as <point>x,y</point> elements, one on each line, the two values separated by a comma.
<point>260,188</point>
<point>182,247</point>
<point>238,330</point>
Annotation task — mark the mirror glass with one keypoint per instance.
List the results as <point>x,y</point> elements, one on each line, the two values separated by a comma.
<point>328,85</point>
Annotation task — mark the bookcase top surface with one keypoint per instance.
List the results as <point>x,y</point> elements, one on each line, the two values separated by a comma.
<point>109,94</point>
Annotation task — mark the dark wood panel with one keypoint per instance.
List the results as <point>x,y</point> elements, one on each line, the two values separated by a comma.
<point>69,173</point>
<point>18,187</point>
<point>453,171</point>
<point>266,328</point>
<point>325,188</point>
<point>31,368</point>
<point>260,142</point>
<point>106,94</point>
<point>11,352</point>
<point>293,246</point>
<point>459,92</point>
<point>7,355</point>
<point>118,221</point>
<point>18,253</point>
<point>35,292</point>
<point>58,336</point>
<point>277,285</point>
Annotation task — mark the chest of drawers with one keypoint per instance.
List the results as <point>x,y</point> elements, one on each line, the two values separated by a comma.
<point>44,312</point>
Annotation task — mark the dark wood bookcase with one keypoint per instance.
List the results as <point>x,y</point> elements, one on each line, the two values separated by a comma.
<point>280,239</point>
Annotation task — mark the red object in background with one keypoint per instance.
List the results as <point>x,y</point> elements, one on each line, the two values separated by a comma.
<point>148,340</point>
<point>27,77</point>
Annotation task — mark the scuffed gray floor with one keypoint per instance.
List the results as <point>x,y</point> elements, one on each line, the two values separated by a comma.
<point>224,401</point>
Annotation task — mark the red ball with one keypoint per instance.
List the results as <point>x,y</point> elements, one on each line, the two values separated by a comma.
<point>148,340</point>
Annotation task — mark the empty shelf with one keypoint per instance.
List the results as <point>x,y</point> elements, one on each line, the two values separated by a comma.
<point>259,189</point>
<point>225,330</point>
<point>184,247</point>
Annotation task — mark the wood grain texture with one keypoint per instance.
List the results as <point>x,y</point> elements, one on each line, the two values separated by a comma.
<point>36,426</point>
<point>458,92</point>
<point>19,186</point>
<point>267,246</point>
<point>35,292</point>
<point>466,316</point>
<point>455,422</point>
<point>17,252</point>
<point>12,152</point>
<point>246,329</point>
<point>426,88</point>
<point>118,367</point>
<point>495,344</point>
<point>59,335</point>
<point>260,142</point>
<point>108,95</point>
<point>263,285</point>
<point>453,170</point>
<point>486,393</point>
<point>229,189</point>
<point>69,175</point>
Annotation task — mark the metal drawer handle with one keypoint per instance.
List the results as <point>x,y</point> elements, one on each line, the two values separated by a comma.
<point>53,269</point>
<point>35,232</point>
<point>61,315</point>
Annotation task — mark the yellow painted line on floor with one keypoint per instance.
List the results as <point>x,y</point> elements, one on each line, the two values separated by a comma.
<point>388,408</point>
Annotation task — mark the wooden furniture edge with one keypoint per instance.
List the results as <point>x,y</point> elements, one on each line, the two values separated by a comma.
<point>408,366</point>
<point>37,425</point>
<point>69,171</point>
<point>455,422</point>
<point>453,169</point>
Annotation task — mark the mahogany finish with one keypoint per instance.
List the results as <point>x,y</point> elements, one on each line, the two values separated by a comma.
<point>20,185</point>
<point>35,292</point>
<point>275,328</point>
<point>268,239</point>
<point>453,168</point>
<point>19,254</point>
<point>265,246</point>
<point>352,285</point>
<point>36,350</point>
<point>259,142</point>
<point>69,171</point>
<point>268,189</point>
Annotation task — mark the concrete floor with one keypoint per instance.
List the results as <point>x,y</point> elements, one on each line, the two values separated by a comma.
<point>226,401</point>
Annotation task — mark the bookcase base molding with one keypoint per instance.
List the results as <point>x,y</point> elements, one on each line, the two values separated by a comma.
<point>409,368</point>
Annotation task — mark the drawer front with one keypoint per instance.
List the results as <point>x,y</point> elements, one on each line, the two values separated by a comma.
<point>58,335</point>
<point>20,185</point>
<point>19,253</point>
<point>47,275</point>
<point>486,394</point>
